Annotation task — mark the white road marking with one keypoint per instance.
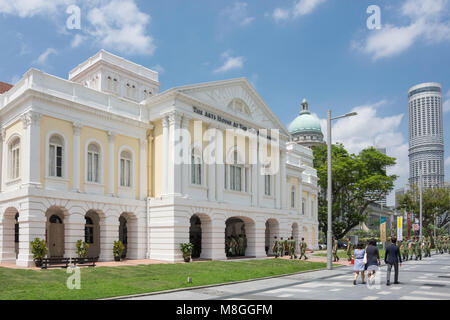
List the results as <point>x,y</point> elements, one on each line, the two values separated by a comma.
<point>426,287</point>
<point>415,298</point>
<point>370,298</point>
<point>334,290</point>
<point>396,288</point>
<point>287,290</point>
<point>285,295</point>
<point>431,293</point>
<point>384,292</point>
<point>430,280</point>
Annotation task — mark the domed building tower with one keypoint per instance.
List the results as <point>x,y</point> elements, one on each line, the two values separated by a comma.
<point>305,129</point>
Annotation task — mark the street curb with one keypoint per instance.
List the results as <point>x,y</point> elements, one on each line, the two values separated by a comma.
<point>212,285</point>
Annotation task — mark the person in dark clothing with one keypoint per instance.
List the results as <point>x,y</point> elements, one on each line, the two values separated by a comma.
<point>373,259</point>
<point>392,257</point>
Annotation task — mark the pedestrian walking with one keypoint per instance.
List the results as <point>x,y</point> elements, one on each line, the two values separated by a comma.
<point>335,249</point>
<point>359,263</point>
<point>373,259</point>
<point>303,246</point>
<point>275,247</point>
<point>392,257</point>
<point>418,250</point>
<point>349,250</point>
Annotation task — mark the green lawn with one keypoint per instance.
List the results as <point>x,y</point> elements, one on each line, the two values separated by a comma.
<point>342,254</point>
<point>102,282</point>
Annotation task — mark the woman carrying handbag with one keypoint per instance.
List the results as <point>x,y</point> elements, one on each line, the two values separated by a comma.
<point>359,266</point>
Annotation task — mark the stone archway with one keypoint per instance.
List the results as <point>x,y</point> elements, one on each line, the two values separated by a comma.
<point>128,234</point>
<point>54,232</point>
<point>241,227</point>
<point>195,235</point>
<point>272,231</point>
<point>9,236</point>
<point>92,233</point>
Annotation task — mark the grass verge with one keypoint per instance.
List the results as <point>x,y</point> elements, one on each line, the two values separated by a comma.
<point>104,282</point>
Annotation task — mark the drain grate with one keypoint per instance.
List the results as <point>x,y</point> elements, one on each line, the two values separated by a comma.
<point>434,284</point>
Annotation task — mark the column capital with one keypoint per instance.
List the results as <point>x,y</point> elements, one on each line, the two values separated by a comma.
<point>77,128</point>
<point>174,118</point>
<point>30,118</point>
<point>165,121</point>
<point>111,136</point>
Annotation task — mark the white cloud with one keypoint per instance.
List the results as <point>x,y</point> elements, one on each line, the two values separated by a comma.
<point>446,105</point>
<point>231,63</point>
<point>42,59</point>
<point>369,129</point>
<point>238,14</point>
<point>428,22</point>
<point>304,7</point>
<point>77,40</point>
<point>30,8</point>
<point>300,8</point>
<point>121,26</point>
<point>158,68</point>
<point>112,24</point>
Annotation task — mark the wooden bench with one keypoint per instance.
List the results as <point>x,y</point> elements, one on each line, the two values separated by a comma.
<point>85,262</point>
<point>55,262</point>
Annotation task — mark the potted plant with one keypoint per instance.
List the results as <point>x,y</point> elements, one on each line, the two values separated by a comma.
<point>186,249</point>
<point>82,250</point>
<point>39,250</point>
<point>118,249</point>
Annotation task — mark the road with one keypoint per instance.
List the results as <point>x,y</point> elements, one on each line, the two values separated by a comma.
<point>419,280</point>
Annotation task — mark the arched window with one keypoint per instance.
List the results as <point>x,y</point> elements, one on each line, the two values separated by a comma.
<point>196,167</point>
<point>235,174</point>
<point>55,219</point>
<point>89,231</point>
<point>55,156</point>
<point>125,169</point>
<point>93,163</point>
<point>267,184</point>
<point>293,197</point>
<point>14,159</point>
<point>16,228</point>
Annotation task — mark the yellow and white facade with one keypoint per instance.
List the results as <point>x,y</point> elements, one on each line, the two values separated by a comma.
<point>95,158</point>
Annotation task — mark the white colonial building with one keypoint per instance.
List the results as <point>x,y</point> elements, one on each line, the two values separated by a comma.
<point>96,158</point>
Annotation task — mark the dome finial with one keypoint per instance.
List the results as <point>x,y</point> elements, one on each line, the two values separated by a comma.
<point>304,105</point>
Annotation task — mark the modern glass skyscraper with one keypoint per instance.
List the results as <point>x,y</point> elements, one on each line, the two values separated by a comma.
<point>426,135</point>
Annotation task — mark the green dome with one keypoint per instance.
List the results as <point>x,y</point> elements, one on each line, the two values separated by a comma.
<point>305,122</point>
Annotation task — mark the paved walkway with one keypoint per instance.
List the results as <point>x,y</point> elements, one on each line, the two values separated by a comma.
<point>424,280</point>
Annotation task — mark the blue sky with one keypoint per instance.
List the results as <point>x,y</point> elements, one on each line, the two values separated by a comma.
<point>318,49</point>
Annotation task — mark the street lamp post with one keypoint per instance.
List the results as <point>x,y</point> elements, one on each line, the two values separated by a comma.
<point>329,189</point>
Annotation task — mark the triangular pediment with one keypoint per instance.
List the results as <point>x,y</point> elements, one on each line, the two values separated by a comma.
<point>238,98</point>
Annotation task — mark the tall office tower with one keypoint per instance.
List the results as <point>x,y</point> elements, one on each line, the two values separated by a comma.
<point>426,138</point>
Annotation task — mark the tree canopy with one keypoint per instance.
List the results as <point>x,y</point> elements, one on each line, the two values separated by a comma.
<point>435,203</point>
<point>357,181</point>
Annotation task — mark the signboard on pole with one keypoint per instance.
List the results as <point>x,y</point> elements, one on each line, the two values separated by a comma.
<point>400,228</point>
<point>383,229</point>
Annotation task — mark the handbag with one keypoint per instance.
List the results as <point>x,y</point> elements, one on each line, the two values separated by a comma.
<point>365,258</point>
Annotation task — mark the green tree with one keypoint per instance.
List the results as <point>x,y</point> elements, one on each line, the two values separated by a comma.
<point>358,181</point>
<point>435,203</point>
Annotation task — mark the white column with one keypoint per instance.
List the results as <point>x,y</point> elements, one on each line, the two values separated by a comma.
<point>254,167</point>
<point>31,175</point>
<point>212,173</point>
<point>213,239</point>
<point>4,167</point>
<point>111,162</point>
<point>301,194</point>
<point>2,137</point>
<point>260,176</point>
<point>309,207</point>
<point>31,226</point>
<point>283,179</point>
<point>186,158</point>
<point>278,189</point>
<point>220,167</point>
<point>76,156</point>
<point>174,170</point>
<point>73,231</point>
<point>143,177</point>
<point>109,232</point>
<point>165,155</point>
